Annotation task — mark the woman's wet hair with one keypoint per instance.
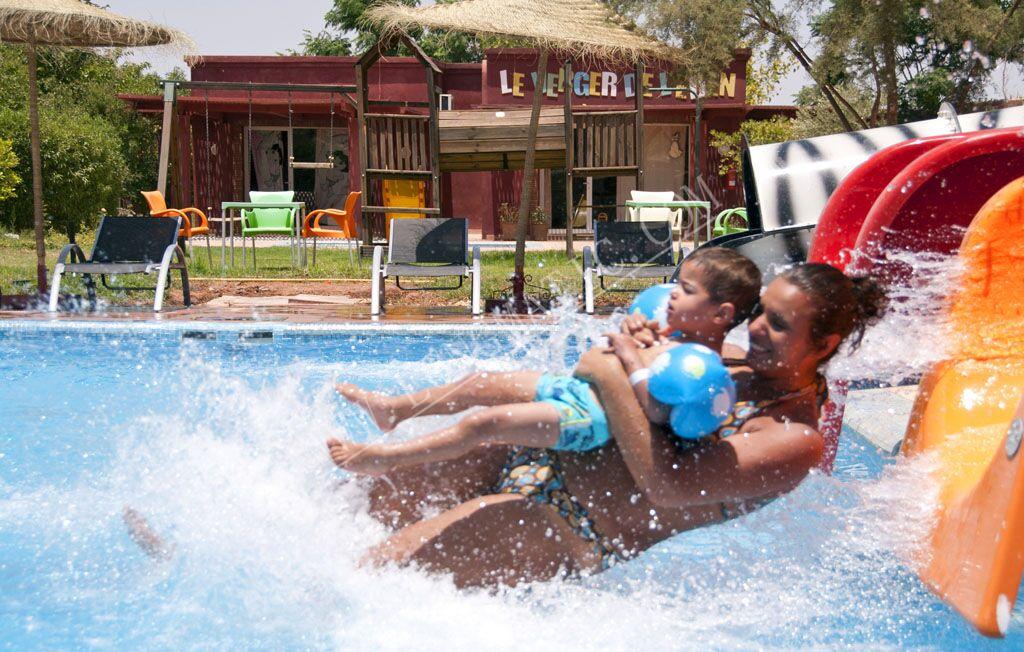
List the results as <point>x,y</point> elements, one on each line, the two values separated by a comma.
<point>844,305</point>
<point>729,277</point>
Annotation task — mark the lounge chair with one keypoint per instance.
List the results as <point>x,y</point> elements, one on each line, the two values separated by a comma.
<point>313,226</point>
<point>429,247</point>
<point>126,245</point>
<point>267,221</point>
<point>627,250</point>
<point>193,220</point>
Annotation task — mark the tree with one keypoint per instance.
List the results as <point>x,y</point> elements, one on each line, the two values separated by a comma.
<point>757,132</point>
<point>9,178</point>
<point>85,170</point>
<point>347,33</point>
<point>705,31</point>
<point>91,81</point>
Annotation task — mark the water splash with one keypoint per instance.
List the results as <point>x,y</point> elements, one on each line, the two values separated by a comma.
<point>220,445</point>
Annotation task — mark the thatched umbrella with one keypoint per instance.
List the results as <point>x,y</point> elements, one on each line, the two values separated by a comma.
<point>583,29</point>
<point>75,24</point>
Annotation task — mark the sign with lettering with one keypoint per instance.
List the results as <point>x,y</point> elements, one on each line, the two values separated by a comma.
<point>602,83</point>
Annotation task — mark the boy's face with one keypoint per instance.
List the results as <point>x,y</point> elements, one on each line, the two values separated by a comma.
<point>691,310</point>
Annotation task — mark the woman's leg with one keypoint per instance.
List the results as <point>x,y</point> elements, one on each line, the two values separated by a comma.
<point>407,495</point>
<point>500,539</point>
<point>477,389</point>
<point>522,424</point>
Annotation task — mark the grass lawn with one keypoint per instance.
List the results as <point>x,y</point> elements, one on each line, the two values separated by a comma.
<point>550,270</point>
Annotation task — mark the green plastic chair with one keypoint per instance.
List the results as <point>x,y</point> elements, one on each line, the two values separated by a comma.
<point>724,222</point>
<point>267,221</point>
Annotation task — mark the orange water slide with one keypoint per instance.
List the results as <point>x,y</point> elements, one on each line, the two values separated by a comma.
<point>969,414</point>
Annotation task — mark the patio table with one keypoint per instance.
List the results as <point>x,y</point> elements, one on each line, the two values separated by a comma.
<point>682,203</point>
<point>227,222</point>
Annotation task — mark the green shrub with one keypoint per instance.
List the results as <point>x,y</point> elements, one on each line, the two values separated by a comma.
<point>83,168</point>
<point>759,132</point>
<point>9,178</point>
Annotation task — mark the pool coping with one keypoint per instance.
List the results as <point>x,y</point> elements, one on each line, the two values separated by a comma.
<point>175,326</point>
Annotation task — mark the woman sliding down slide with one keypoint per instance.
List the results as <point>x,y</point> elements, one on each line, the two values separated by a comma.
<point>510,515</point>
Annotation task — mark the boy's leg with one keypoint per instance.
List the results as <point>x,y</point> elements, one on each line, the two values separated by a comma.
<point>521,424</point>
<point>477,389</point>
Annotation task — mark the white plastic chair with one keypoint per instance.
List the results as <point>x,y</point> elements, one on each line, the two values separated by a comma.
<point>653,214</point>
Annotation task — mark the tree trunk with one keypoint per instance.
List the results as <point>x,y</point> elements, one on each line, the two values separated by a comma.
<point>529,183</point>
<point>37,169</point>
<point>889,80</point>
<point>698,142</point>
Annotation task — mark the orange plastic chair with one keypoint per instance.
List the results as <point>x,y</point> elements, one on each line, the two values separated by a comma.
<point>190,226</point>
<point>345,219</point>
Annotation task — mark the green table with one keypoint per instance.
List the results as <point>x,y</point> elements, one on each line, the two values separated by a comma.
<point>683,203</point>
<point>296,241</point>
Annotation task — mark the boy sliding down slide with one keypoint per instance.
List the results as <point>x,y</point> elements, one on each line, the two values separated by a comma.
<point>717,290</point>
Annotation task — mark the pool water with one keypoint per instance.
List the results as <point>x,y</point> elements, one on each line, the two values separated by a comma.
<point>216,434</point>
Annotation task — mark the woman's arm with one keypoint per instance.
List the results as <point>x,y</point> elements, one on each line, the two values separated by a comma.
<point>767,457</point>
<point>625,348</point>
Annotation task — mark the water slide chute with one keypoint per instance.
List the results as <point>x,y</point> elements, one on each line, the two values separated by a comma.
<point>844,214</point>
<point>786,184</point>
<point>969,414</point>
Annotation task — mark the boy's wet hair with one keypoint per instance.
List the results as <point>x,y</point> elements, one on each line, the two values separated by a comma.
<point>729,277</point>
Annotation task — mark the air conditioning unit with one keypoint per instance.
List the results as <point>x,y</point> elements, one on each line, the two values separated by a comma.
<point>444,102</point>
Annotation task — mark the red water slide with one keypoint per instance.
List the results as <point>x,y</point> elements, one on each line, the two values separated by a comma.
<point>916,196</point>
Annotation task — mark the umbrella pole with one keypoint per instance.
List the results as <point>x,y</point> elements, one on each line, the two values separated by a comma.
<point>37,169</point>
<point>526,197</point>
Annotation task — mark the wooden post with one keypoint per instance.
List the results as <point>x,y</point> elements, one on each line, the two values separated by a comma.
<point>37,169</point>
<point>570,162</point>
<point>435,139</point>
<point>519,275</point>
<point>639,151</point>
<point>362,95</point>
<point>170,97</point>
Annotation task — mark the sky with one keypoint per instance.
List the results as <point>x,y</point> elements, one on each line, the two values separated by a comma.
<point>264,27</point>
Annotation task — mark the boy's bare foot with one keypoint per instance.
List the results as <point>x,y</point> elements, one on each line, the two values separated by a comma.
<point>367,459</point>
<point>150,542</point>
<point>378,405</point>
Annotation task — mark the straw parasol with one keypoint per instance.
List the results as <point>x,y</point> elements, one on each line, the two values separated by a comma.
<point>75,24</point>
<point>582,29</point>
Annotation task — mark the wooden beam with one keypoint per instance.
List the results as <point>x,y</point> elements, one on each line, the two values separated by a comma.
<point>401,209</point>
<point>435,141</point>
<point>362,92</point>
<point>639,144</point>
<point>170,95</point>
<point>570,149</point>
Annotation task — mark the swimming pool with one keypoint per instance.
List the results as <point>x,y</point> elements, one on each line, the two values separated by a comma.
<point>216,433</point>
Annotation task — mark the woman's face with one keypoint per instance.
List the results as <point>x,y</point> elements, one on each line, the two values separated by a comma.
<point>780,335</point>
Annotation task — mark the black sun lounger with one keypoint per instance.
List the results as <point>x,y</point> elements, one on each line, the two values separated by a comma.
<point>627,250</point>
<point>126,245</point>
<point>429,247</point>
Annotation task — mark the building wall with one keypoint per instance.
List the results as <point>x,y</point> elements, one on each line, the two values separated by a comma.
<point>504,79</point>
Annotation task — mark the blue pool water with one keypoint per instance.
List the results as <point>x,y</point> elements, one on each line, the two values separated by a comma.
<point>218,439</point>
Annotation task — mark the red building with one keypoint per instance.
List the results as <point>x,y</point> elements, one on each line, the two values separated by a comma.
<point>251,135</point>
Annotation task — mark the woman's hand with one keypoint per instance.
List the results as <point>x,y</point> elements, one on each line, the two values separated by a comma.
<point>646,332</point>
<point>627,349</point>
